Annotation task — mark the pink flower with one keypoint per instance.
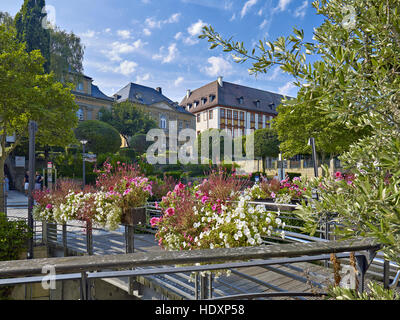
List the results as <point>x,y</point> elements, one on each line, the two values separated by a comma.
<point>273,195</point>
<point>156,205</point>
<point>170,211</point>
<point>154,221</point>
<point>204,199</point>
<point>127,191</point>
<point>214,207</point>
<point>49,206</point>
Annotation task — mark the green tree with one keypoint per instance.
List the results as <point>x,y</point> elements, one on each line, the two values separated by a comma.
<point>29,22</point>
<point>6,19</point>
<point>129,119</point>
<point>266,144</point>
<point>139,144</point>
<point>354,80</point>
<point>27,93</point>
<point>66,55</point>
<point>101,137</point>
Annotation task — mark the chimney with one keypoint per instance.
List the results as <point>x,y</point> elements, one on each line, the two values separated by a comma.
<point>159,90</point>
<point>188,94</point>
<point>221,84</point>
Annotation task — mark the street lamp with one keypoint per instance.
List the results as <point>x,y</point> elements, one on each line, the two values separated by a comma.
<point>281,167</point>
<point>84,142</point>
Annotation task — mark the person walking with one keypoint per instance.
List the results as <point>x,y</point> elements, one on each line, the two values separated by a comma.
<point>26,182</point>
<point>38,181</point>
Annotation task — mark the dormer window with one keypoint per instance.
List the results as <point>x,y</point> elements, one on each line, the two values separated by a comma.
<point>203,100</point>
<point>257,102</point>
<point>272,105</point>
<point>241,100</point>
<point>195,104</point>
<point>189,106</point>
<point>212,97</point>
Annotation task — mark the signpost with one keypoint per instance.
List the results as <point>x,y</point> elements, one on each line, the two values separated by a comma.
<point>19,162</point>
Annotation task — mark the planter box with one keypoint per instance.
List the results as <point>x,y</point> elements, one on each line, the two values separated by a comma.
<point>133,216</point>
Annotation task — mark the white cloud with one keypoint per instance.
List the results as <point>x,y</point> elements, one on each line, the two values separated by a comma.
<point>195,28</point>
<point>301,11</point>
<point>218,67</point>
<point>233,17</point>
<point>178,81</point>
<point>152,23</point>
<point>263,24</point>
<point>88,34</point>
<point>260,12</point>
<point>126,68</point>
<point>120,48</point>
<point>286,89</point>
<point>246,7</point>
<point>145,77</point>
<point>108,31</point>
<point>169,56</point>
<point>146,32</point>
<point>174,18</point>
<point>190,41</point>
<point>178,35</point>
<point>124,34</point>
<point>282,5</point>
<point>274,74</point>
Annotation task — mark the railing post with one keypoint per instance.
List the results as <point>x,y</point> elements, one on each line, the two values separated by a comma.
<point>203,287</point>
<point>362,266</point>
<point>210,286</point>
<point>196,286</point>
<point>89,238</point>
<point>64,239</point>
<point>386,273</point>
<point>129,239</point>
<point>85,289</point>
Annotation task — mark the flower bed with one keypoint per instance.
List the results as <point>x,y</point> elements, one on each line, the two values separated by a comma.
<point>197,218</point>
<point>117,190</point>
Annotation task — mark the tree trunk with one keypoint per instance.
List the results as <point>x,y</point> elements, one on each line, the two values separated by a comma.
<point>2,185</point>
<point>263,164</point>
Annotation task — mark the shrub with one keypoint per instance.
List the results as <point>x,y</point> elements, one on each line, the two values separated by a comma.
<point>13,240</point>
<point>175,174</point>
<point>101,136</point>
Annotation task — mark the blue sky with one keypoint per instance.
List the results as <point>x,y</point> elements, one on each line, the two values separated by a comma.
<point>154,42</point>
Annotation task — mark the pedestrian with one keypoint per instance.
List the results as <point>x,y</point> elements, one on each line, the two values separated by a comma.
<point>38,181</point>
<point>6,185</point>
<point>26,182</point>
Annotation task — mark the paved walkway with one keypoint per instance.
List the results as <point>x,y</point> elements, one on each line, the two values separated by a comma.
<point>16,198</point>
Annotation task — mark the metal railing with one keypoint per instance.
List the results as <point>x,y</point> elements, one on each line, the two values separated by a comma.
<point>80,239</point>
<point>88,268</point>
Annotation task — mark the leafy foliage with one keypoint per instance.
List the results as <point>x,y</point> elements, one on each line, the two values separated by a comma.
<point>353,82</point>
<point>13,240</point>
<point>66,55</point>
<point>29,25</point>
<point>266,144</point>
<point>129,119</point>
<point>101,137</point>
<point>375,291</point>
